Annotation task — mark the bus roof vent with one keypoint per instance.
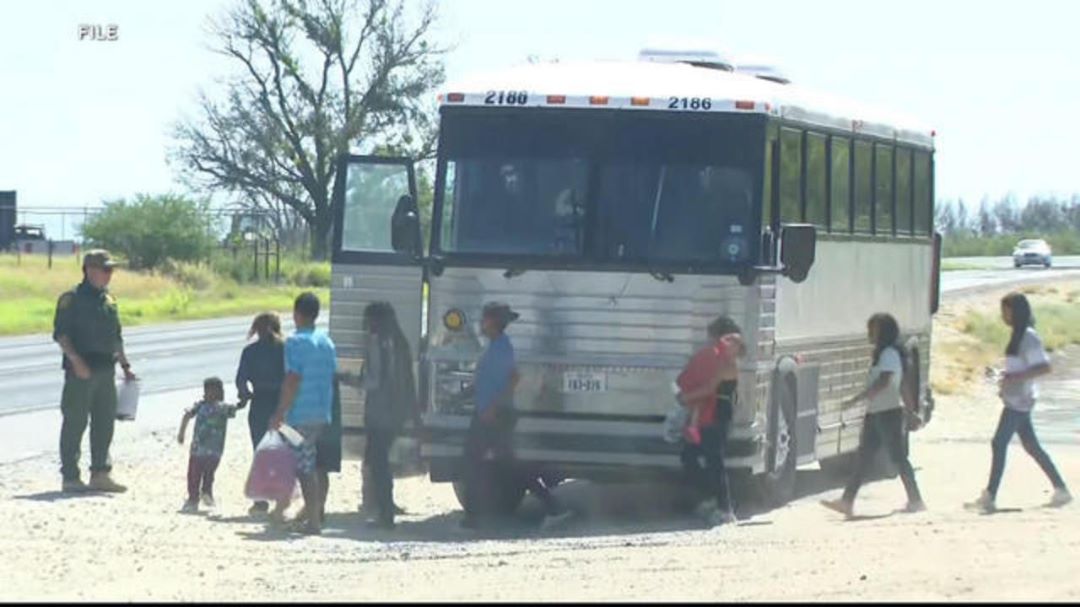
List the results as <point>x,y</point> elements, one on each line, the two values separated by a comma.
<point>763,68</point>
<point>693,55</point>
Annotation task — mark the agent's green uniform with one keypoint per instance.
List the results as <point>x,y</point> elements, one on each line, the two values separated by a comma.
<point>89,318</point>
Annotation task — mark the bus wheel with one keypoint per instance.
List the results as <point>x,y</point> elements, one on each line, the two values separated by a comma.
<point>501,497</point>
<point>777,484</point>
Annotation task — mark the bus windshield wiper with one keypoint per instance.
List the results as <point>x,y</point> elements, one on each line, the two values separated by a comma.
<point>513,273</point>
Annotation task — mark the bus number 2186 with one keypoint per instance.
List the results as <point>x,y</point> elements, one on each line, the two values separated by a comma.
<point>690,103</point>
<point>506,98</point>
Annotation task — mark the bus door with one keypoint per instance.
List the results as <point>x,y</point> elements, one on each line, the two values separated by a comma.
<point>377,256</point>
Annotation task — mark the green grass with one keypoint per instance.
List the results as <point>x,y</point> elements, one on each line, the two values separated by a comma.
<point>952,265</point>
<point>958,245</point>
<point>970,336</point>
<point>29,290</point>
<point>1058,325</point>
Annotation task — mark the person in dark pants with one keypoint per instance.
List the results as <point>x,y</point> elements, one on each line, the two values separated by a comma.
<point>714,417</point>
<point>1025,360</point>
<point>390,401</point>
<point>884,421</point>
<point>87,328</point>
<point>490,435</point>
<point>258,380</point>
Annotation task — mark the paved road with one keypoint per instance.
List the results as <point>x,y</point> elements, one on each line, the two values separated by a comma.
<point>178,356</point>
<point>166,357</point>
<point>995,271</point>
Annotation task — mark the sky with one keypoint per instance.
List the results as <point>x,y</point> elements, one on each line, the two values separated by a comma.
<point>85,121</point>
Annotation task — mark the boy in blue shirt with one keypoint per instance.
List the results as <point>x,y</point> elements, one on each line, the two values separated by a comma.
<point>307,396</point>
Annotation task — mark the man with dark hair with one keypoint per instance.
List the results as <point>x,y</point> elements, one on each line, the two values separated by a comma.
<point>306,402</point>
<point>87,328</point>
<point>494,419</point>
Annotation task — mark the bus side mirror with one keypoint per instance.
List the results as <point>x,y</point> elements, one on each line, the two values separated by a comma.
<point>798,245</point>
<point>405,227</point>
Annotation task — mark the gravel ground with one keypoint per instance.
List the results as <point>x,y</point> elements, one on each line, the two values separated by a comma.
<point>627,542</point>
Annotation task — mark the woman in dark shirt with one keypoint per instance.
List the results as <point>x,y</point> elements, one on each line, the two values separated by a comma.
<point>390,402</point>
<point>259,377</point>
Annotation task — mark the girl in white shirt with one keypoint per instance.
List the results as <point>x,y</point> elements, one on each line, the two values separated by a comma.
<point>1025,360</point>
<point>884,421</point>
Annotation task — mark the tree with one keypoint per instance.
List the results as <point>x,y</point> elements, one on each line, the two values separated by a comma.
<point>152,229</point>
<point>987,224</point>
<point>312,84</point>
<point>1007,215</point>
<point>963,220</point>
<point>945,219</point>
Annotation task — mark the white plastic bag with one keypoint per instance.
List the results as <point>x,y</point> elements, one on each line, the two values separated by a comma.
<point>127,399</point>
<point>273,470</point>
<point>675,422</point>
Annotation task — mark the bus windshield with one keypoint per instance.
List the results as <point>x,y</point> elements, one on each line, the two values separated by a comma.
<point>600,187</point>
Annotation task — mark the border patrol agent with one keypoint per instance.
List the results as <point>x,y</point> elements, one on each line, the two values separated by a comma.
<point>87,328</point>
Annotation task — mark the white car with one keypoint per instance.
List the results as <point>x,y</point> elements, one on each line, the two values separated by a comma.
<point>1032,252</point>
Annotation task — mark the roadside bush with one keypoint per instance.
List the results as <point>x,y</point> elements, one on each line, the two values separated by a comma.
<point>152,229</point>
<point>957,245</point>
<point>191,275</point>
<point>306,274</point>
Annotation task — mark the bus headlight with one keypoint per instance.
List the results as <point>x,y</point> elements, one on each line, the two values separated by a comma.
<point>454,320</point>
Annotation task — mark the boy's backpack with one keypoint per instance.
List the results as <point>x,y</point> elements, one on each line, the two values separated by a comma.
<point>910,386</point>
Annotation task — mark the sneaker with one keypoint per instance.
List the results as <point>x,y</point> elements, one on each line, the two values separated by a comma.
<point>258,508</point>
<point>208,500</point>
<point>101,481</point>
<point>554,520</point>
<point>984,504</point>
<point>1061,497</point>
<point>719,518</point>
<point>190,507</point>
<point>74,486</point>
<point>914,507</point>
<point>842,506</point>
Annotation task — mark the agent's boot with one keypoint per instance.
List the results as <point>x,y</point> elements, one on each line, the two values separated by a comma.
<point>101,481</point>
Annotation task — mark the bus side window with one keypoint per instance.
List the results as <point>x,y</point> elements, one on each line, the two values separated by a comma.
<point>816,194</point>
<point>864,187</point>
<point>883,190</point>
<point>903,192</point>
<point>924,209</point>
<point>790,176</point>
<point>840,185</point>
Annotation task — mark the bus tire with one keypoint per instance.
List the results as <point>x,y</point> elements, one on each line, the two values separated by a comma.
<point>777,484</point>
<point>505,496</point>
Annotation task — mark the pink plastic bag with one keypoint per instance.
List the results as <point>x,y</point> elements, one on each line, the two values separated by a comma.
<point>273,471</point>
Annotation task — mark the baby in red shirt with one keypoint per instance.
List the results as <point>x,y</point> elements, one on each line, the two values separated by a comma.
<point>708,368</point>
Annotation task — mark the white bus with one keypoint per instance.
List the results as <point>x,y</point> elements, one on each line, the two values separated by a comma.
<point>620,207</point>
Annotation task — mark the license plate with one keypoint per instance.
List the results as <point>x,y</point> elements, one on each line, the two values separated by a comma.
<point>584,381</point>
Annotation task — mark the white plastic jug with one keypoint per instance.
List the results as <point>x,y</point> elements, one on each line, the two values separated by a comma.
<point>127,399</point>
